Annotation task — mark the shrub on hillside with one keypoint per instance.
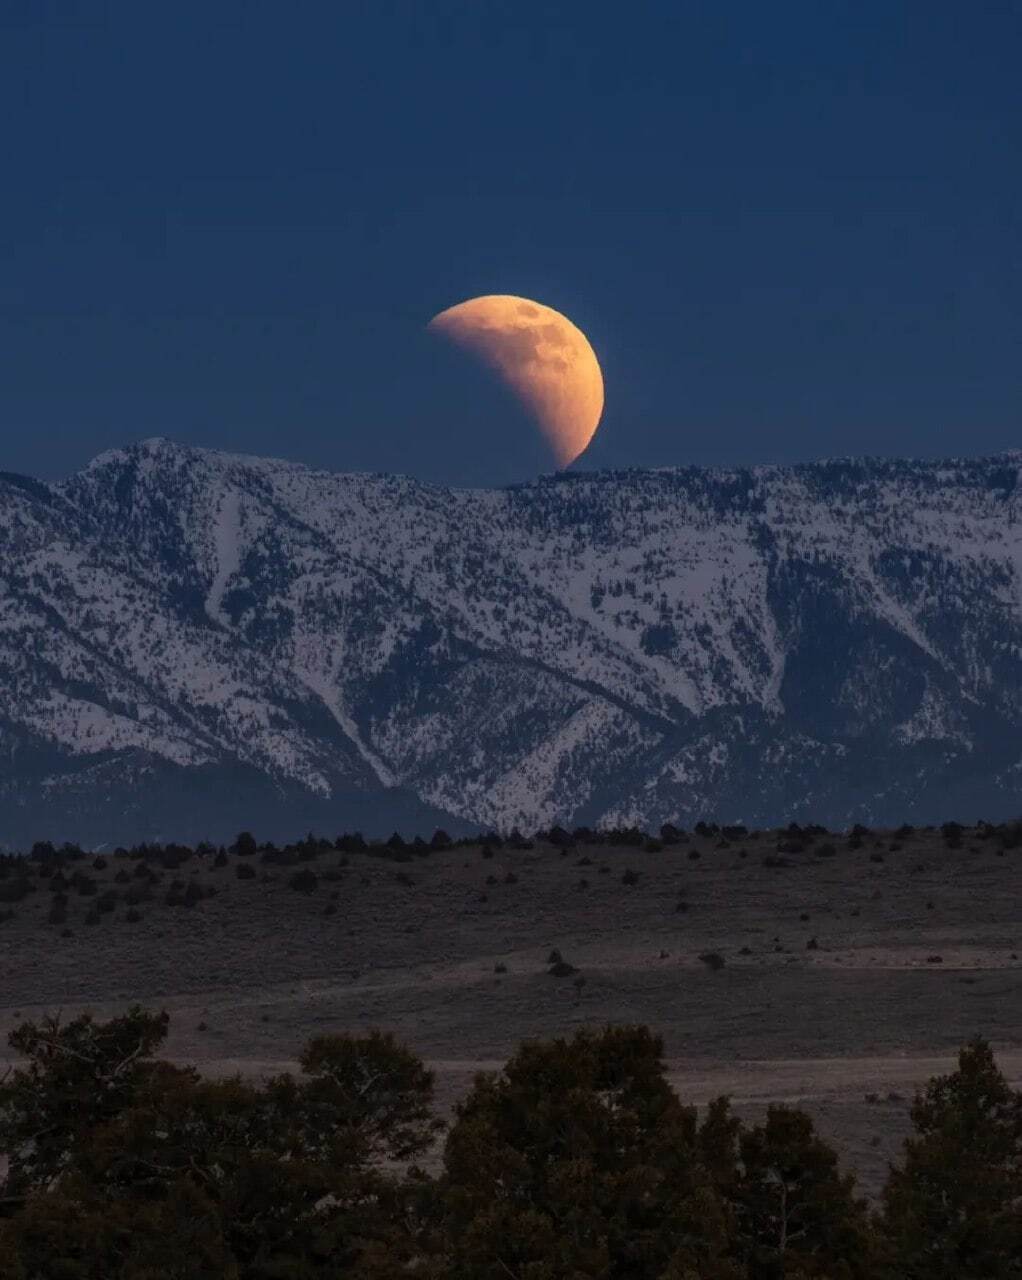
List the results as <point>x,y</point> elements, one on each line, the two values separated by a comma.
<point>1010,835</point>
<point>172,857</point>
<point>195,893</point>
<point>15,889</point>
<point>245,845</point>
<point>304,881</point>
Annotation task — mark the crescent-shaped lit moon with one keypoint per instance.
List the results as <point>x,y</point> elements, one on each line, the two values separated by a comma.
<point>545,360</point>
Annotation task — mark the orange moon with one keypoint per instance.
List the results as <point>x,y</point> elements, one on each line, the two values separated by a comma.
<point>545,360</point>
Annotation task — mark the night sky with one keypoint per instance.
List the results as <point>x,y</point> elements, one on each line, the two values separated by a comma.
<point>789,230</point>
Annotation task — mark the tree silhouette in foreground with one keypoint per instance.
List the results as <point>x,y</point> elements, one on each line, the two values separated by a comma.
<point>798,1217</point>
<point>79,1076</point>
<point>953,1211</point>
<point>577,1161</point>
<point>172,1175</point>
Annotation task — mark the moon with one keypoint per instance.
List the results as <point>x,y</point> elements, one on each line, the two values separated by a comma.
<point>545,360</point>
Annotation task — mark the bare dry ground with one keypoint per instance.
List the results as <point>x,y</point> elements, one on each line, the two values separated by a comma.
<point>250,973</point>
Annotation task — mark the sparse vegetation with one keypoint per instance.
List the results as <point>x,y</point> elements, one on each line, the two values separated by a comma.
<point>304,881</point>
<point>558,967</point>
<point>62,892</point>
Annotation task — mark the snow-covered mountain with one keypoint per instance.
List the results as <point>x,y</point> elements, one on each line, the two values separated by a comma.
<point>191,641</point>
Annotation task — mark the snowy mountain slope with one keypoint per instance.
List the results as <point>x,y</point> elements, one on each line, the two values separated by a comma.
<point>838,640</point>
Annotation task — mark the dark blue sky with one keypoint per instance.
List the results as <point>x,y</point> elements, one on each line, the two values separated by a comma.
<point>789,230</point>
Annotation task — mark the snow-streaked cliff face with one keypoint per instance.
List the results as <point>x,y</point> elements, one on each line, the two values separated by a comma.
<point>832,640</point>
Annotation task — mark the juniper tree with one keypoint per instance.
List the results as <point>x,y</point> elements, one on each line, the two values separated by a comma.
<point>578,1159</point>
<point>797,1215</point>
<point>79,1075</point>
<point>283,1180</point>
<point>953,1209</point>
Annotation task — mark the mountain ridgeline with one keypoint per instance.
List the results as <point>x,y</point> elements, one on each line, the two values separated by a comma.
<point>193,642</point>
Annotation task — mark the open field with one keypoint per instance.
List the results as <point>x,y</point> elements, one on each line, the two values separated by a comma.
<point>249,973</point>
